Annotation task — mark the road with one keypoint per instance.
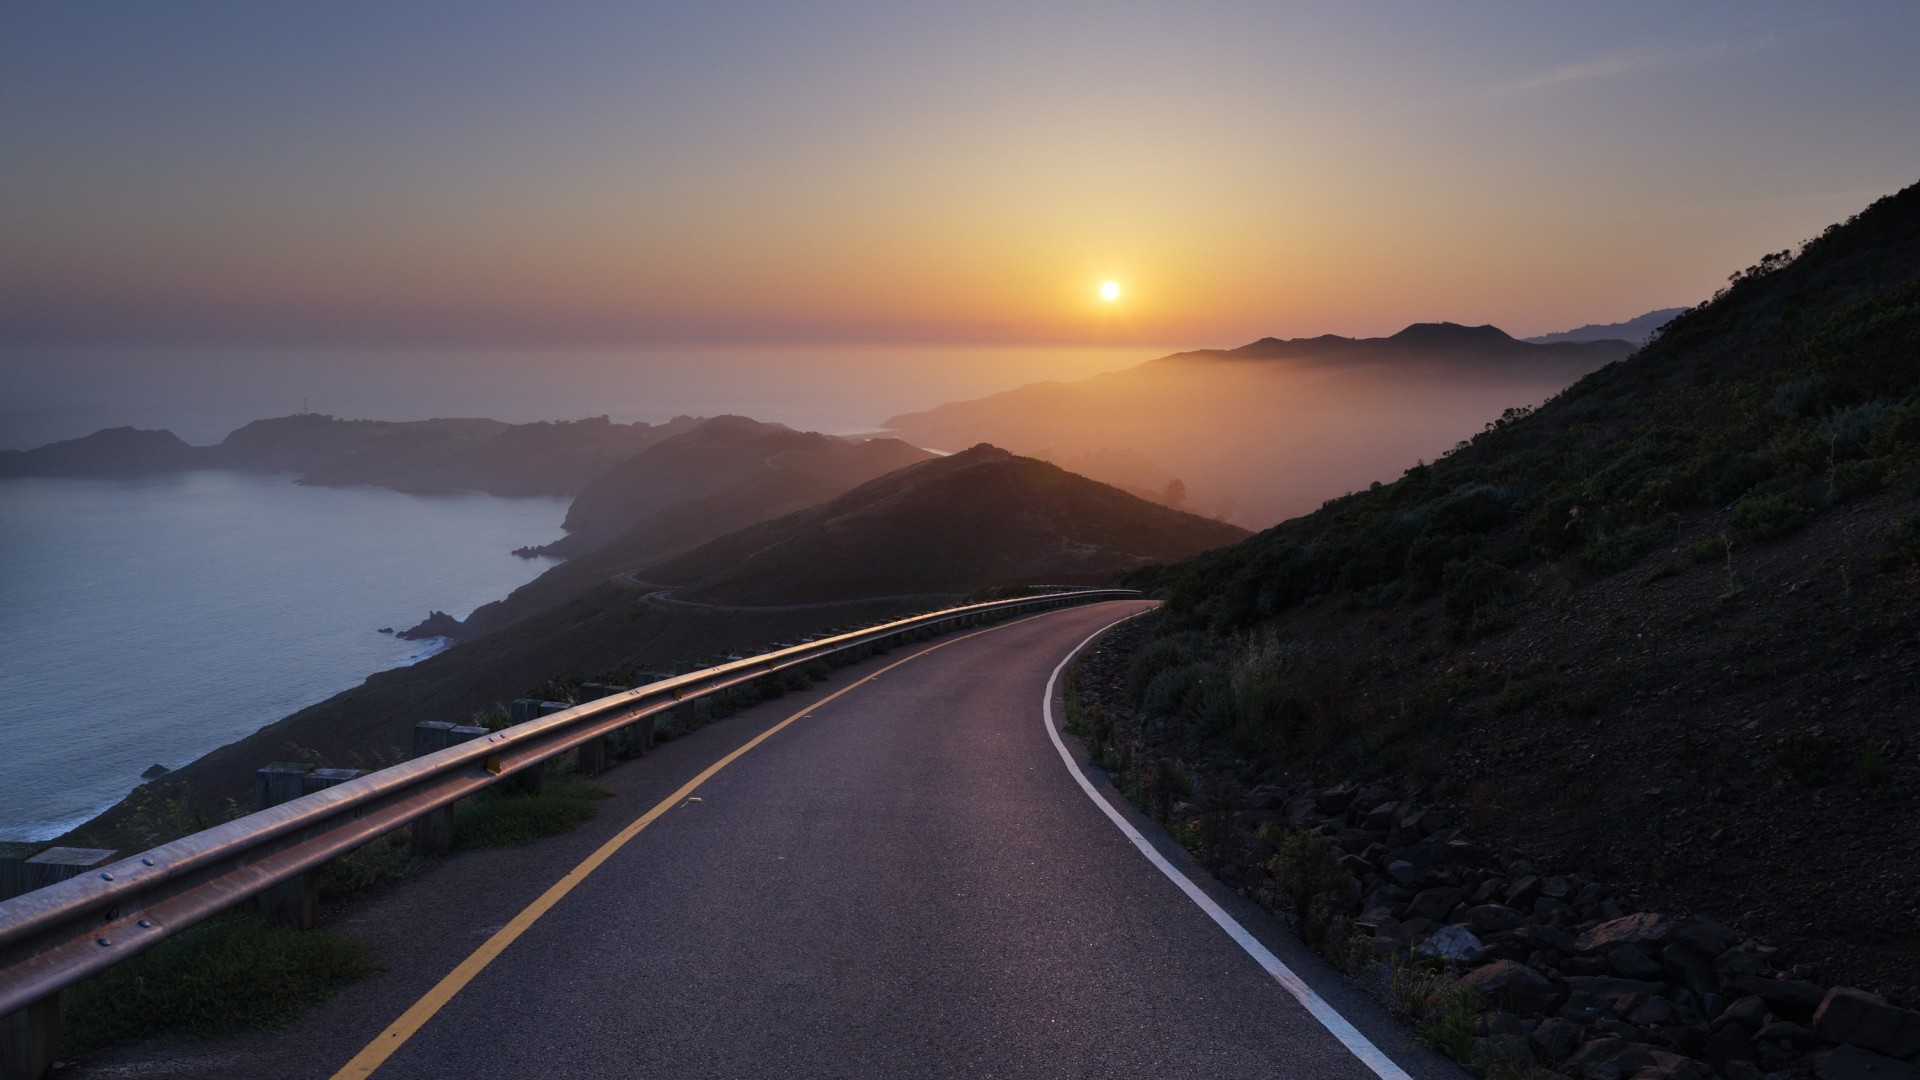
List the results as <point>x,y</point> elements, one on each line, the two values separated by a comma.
<point>906,880</point>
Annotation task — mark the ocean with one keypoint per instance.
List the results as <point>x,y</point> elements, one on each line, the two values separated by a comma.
<point>149,621</point>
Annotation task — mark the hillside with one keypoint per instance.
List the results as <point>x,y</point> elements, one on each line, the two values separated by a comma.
<point>1276,427</point>
<point>722,475</point>
<point>1637,330</point>
<point>121,451</point>
<point>416,456</point>
<point>1663,631</point>
<point>978,518</point>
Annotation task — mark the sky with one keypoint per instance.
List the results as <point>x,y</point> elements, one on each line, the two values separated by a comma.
<point>403,173</point>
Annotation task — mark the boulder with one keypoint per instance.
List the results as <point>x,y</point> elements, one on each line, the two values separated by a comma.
<point>1493,918</point>
<point>1524,892</point>
<point>1647,929</point>
<point>1335,800</point>
<point>1868,1021</point>
<point>1455,944</point>
<point>1590,997</point>
<point>1610,1057</point>
<point>1436,904</point>
<point>1628,962</point>
<point>1688,967</point>
<point>1403,873</point>
<point>1856,1063</point>
<point>1749,1012</point>
<point>1729,1044</point>
<point>1674,1067</point>
<point>1784,995</point>
<point>1642,1009</point>
<point>1381,818</point>
<point>1706,936</point>
<point>1784,1031</point>
<point>1515,986</point>
<point>1544,937</point>
<point>1553,1039</point>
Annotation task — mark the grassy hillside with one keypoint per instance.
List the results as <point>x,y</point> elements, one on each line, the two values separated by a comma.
<point>978,518</point>
<point>1664,627</point>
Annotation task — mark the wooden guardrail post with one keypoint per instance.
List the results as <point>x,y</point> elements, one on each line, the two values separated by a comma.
<point>593,753</point>
<point>13,870</point>
<point>295,902</point>
<point>30,1038</point>
<point>433,830</point>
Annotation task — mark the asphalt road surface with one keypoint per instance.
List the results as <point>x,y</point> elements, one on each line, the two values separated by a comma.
<point>906,880</point>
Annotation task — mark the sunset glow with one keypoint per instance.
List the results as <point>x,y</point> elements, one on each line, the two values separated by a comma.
<point>1110,291</point>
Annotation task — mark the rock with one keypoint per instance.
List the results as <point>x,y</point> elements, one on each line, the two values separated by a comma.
<point>1707,937</point>
<point>1436,904</point>
<point>385,630</point>
<point>1674,1067</point>
<point>1590,997</point>
<point>1749,1012</point>
<point>1545,937</point>
<point>1524,892</point>
<point>1553,1039</point>
<point>1423,823</point>
<point>1335,800</point>
<point>1784,1031</point>
<point>1403,873</point>
<point>1381,818</point>
<point>1643,1009</point>
<point>1616,1057</point>
<point>1556,888</point>
<point>1855,1063</point>
<point>1685,966</point>
<point>1451,943</point>
<point>1642,930</point>
<point>1784,995</point>
<point>1517,986</point>
<point>1868,1021</point>
<point>1493,919</point>
<point>1748,959</point>
<point>1726,1045</point>
<point>1489,892</point>
<point>1461,853</point>
<point>1547,909</point>
<point>1743,1070</point>
<point>436,624</point>
<point>1628,962</point>
<point>155,771</point>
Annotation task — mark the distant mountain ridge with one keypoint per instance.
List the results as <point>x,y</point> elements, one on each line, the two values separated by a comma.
<point>1638,330</point>
<point>1431,342</point>
<point>1273,428</point>
<point>977,518</point>
<point>422,457</point>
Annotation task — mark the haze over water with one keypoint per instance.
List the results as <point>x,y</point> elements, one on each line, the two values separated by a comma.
<point>150,621</point>
<point>201,394</point>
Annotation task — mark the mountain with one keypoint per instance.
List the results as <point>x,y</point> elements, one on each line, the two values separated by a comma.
<point>977,518</point>
<point>721,475</point>
<point>426,457</point>
<point>120,451</point>
<point>1275,427</point>
<point>725,461</point>
<point>1637,330</point>
<point>1663,631</point>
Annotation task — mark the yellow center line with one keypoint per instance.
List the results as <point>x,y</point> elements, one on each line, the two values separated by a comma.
<point>396,1035</point>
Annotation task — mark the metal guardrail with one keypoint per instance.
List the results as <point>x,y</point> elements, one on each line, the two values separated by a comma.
<point>59,935</point>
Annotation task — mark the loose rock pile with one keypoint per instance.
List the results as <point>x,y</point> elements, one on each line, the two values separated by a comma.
<point>1572,974</point>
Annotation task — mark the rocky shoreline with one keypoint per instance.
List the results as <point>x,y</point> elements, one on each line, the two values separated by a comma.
<point>1509,967</point>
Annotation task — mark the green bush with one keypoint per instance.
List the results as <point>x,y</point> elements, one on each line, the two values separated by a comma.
<point>1902,547</point>
<point>1757,520</point>
<point>1622,549</point>
<point>497,819</point>
<point>231,974</point>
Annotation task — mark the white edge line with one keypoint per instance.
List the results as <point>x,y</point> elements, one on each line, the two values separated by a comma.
<point>1370,1055</point>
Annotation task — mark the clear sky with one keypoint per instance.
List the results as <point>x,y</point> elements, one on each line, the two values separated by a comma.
<point>911,172</point>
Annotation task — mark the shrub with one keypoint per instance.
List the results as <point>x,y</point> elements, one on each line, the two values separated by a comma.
<point>1307,876</point>
<point>1902,548</point>
<point>230,974</point>
<point>497,819</point>
<point>1477,593</point>
<point>1622,549</point>
<point>1757,520</point>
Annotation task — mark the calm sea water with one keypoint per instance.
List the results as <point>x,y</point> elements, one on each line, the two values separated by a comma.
<point>149,621</point>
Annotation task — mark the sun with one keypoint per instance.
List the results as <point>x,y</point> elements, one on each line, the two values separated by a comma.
<point>1110,291</point>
